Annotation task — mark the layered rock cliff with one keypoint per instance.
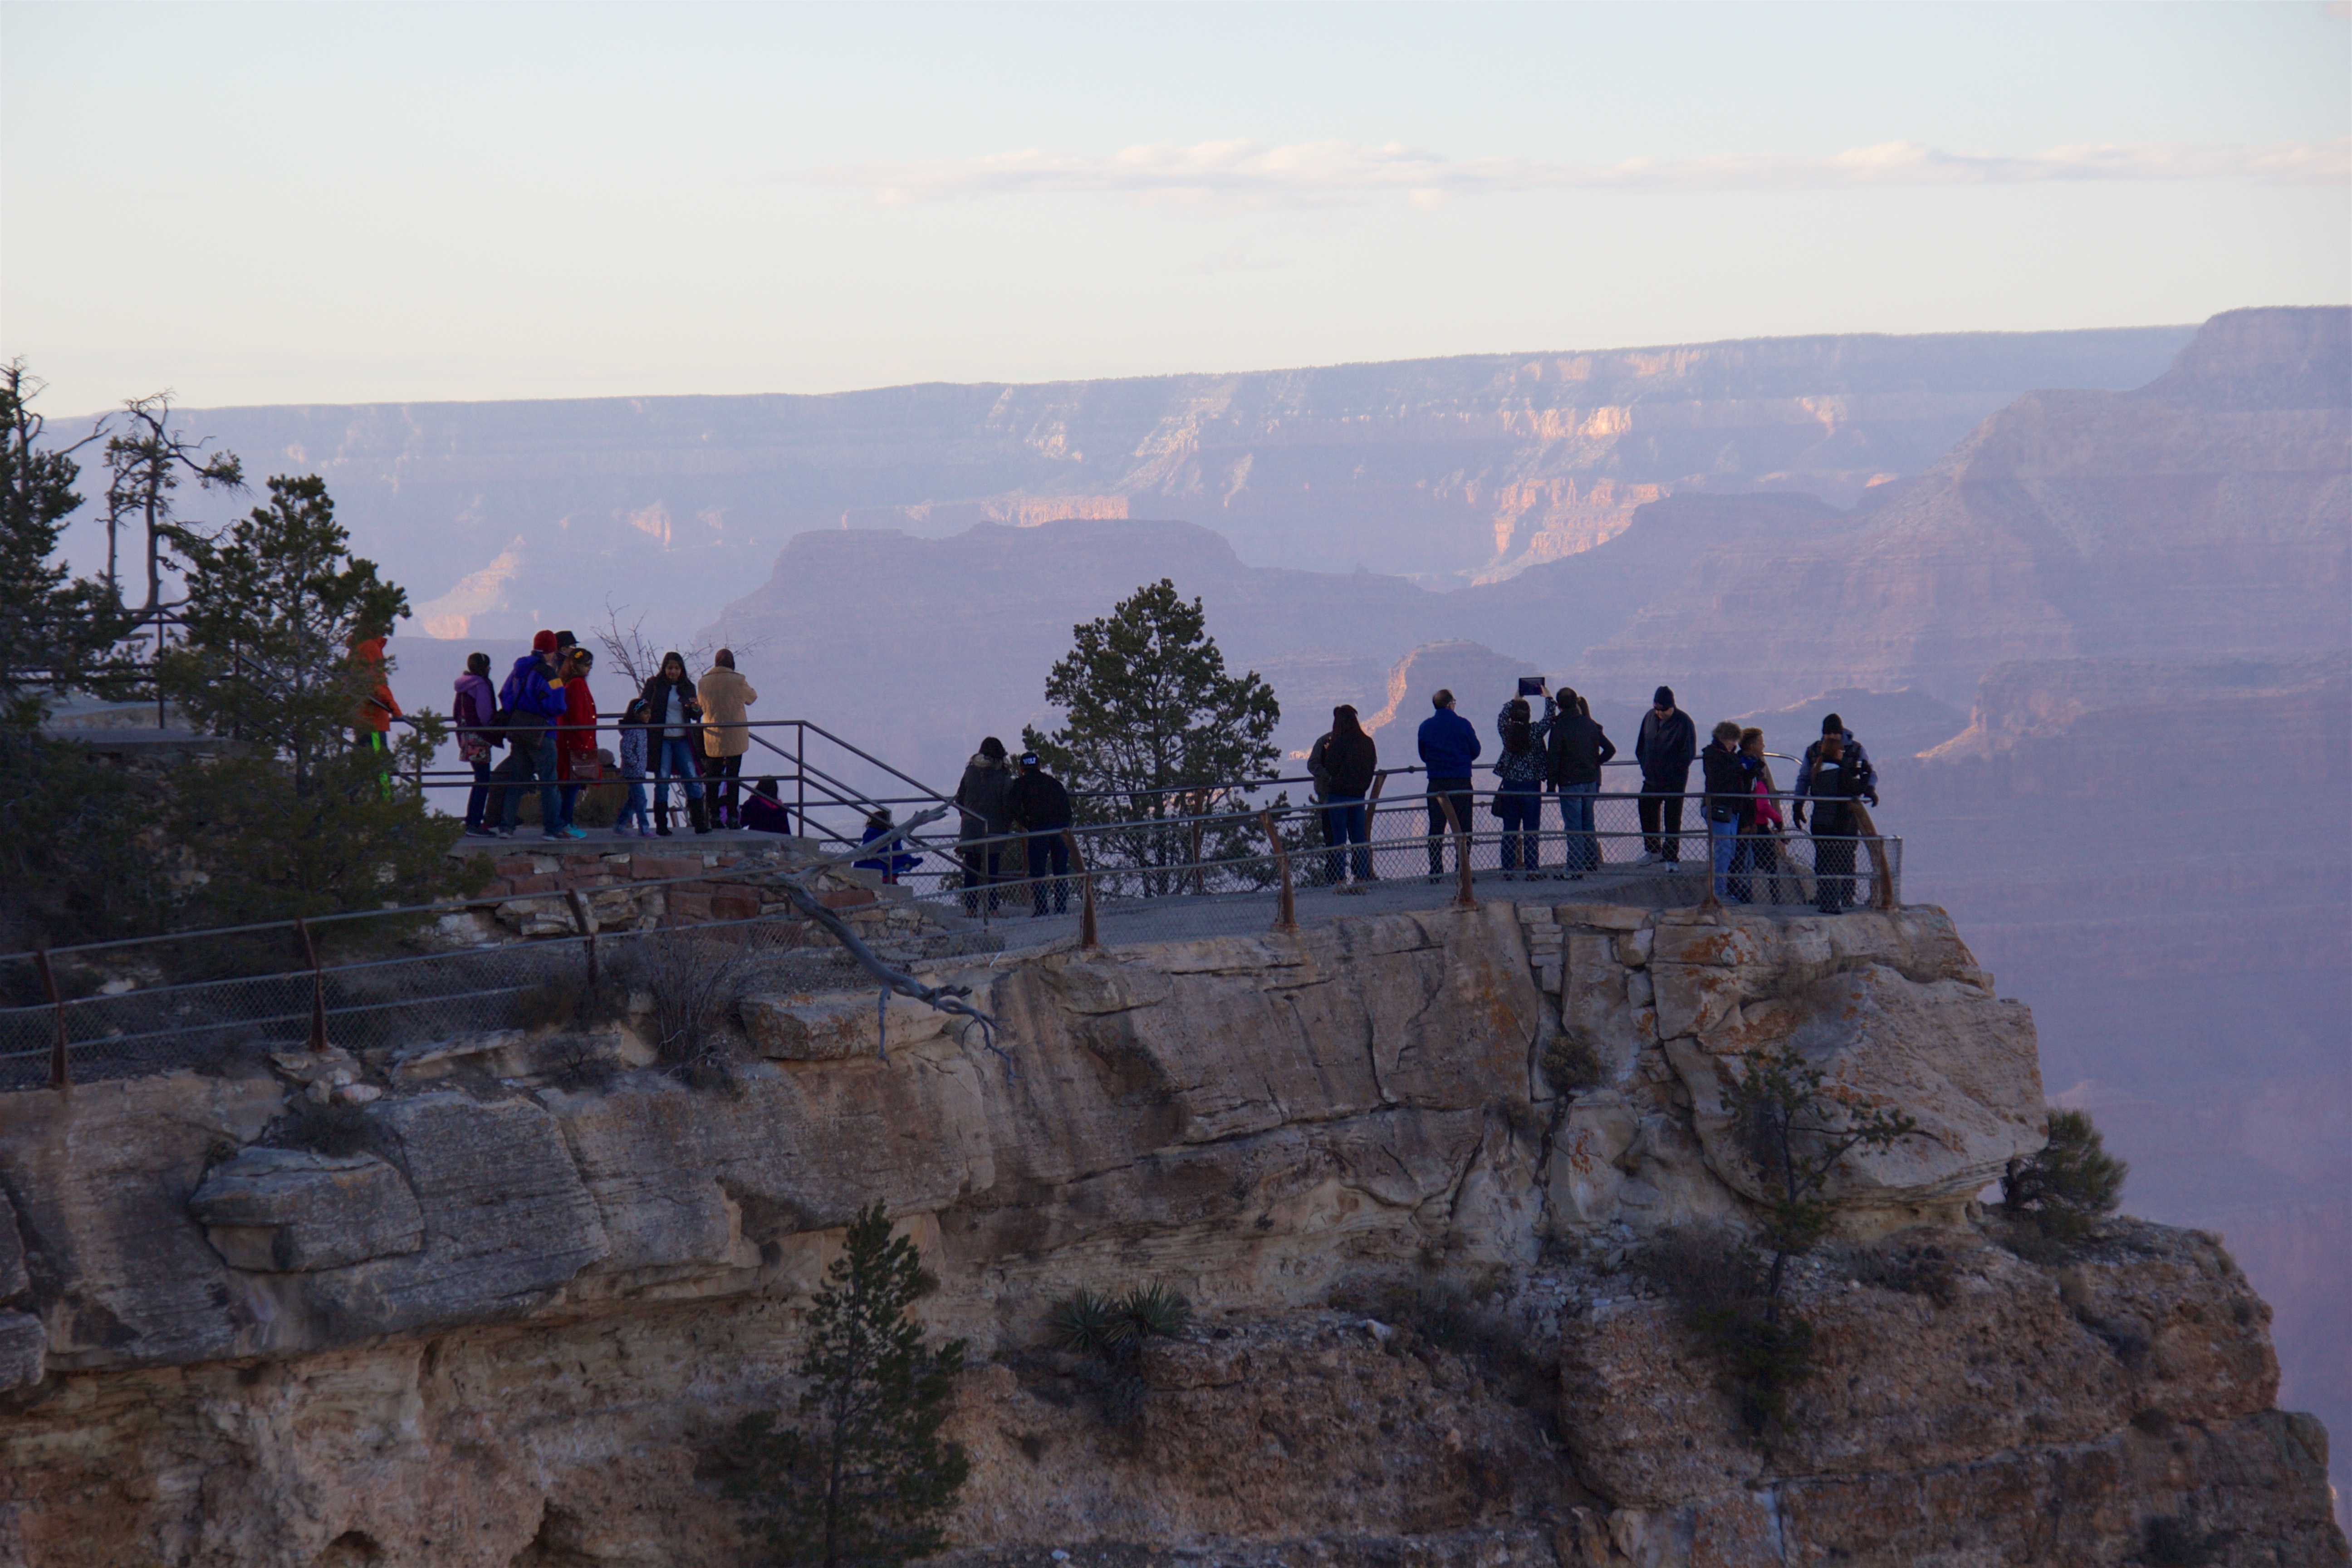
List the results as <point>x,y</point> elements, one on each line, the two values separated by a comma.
<point>514,1330</point>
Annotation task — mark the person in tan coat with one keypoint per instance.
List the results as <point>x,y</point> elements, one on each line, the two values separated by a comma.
<point>726,698</point>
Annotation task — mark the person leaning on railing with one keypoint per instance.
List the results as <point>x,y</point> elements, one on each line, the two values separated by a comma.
<point>1835,785</point>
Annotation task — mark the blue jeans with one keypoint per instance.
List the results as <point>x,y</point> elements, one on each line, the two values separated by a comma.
<point>1576,802</point>
<point>541,767</point>
<point>479,796</point>
<point>1723,838</point>
<point>673,756</point>
<point>1522,813</point>
<point>634,809</point>
<point>1344,824</point>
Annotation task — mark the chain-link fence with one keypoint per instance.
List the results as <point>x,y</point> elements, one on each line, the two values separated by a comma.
<point>210,999</point>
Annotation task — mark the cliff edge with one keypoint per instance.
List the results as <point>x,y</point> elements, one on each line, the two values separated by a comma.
<point>512,1327</point>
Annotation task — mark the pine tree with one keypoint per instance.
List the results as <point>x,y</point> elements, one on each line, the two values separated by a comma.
<point>297,821</point>
<point>864,1480</point>
<point>53,632</point>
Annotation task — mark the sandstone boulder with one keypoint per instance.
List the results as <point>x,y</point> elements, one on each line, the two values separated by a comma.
<point>803,1027</point>
<point>292,1211</point>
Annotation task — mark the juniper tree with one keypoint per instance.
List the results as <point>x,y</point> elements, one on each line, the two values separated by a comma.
<point>865,1477</point>
<point>146,462</point>
<point>55,631</point>
<point>1794,1128</point>
<point>2070,1184</point>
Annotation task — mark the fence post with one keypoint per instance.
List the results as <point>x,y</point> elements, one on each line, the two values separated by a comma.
<point>1463,898</point>
<point>587,928</point>
<point>60,1072</point>
<point>1086,943</point>
<point>1286,918</point>
<point>1882,880</point>
<point>318,986</point>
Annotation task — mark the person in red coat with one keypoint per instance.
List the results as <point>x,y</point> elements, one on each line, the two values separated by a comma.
<point>576,737</point>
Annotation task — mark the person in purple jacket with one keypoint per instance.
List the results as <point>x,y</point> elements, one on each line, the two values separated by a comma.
<point>472,709</point>
<point>533,691</point>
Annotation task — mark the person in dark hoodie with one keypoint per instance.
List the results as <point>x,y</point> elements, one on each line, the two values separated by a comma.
<point>533,693</point>
<point>673,709</point>
<point>1856,761</point>
<point>1578,747</point>
<point>1038,806</point>
<point>471,709</point>
<point>1343,763</point>
<point>1730,805</point>
<point>1835,786</point>
<point>1519,789</point>
<point>1449,746</point>
<point>1666,746</point>
<point>981,798</point>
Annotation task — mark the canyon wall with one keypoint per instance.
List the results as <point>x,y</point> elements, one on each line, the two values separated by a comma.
<point>515,1329</point>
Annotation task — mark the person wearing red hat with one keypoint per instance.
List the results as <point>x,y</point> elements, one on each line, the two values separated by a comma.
<point>533,693</point>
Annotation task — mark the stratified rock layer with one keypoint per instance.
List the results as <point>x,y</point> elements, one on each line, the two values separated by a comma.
<point>515,1332</point>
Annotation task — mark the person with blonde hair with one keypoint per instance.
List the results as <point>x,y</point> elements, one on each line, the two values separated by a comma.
<point>726,736</point>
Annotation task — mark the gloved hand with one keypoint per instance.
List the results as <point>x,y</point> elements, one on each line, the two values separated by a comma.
<point>1871,795</point>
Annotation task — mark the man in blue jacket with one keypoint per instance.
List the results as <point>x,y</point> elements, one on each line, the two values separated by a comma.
<point>531,694</point>
<point>1449,745</point>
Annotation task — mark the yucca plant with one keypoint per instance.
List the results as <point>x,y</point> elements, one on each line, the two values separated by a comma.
<point>1154,1310</point>
<point>1081,1322</point>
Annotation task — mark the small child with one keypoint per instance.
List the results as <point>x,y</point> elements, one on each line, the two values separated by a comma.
<point>633,769</point>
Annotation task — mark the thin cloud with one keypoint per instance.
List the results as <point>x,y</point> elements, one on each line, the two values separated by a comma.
<point>1251,175</point>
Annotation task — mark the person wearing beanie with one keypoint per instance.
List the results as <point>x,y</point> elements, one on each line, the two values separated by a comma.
<point>1730,804</point>
<point>1666,748</point>
<point>1342,763</point>
<point>1855,762</point>
<point>1039,806</point>
<point>1449,746</point>
<point>533,694</point>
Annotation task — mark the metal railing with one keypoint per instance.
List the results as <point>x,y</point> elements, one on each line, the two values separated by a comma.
<point>206,998</point>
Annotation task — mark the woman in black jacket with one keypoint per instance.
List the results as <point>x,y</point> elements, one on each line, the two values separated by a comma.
<point>1343,763</point>
<point>672,711</point>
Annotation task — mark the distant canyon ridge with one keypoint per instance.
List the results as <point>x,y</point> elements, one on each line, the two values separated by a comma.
<point>2086,595</point>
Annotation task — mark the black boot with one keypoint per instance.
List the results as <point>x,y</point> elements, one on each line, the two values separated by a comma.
<point>702,814</point>
<point>661,820</point>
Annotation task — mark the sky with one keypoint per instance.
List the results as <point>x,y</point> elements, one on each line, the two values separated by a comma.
<point>353,203</point>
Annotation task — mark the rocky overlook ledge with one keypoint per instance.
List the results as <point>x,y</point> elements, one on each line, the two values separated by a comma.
<point>512,1329</point>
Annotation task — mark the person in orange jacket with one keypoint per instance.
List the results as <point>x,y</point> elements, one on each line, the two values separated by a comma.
<point>372,725</point>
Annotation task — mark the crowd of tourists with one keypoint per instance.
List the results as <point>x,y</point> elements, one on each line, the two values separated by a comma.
<point>691,734</point>
<point>1563,753</point>
<point>679,731</point>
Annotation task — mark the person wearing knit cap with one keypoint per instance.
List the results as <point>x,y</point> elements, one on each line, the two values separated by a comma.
<point>1666,748</point>
<point>533,693</point>
<point>1856,762</point>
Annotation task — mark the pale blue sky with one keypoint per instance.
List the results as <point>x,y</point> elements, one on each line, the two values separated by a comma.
<point>258,203</point>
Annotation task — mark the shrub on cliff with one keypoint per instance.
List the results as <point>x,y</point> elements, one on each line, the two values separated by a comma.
<point>865,1478</point>
<point>1794,1128</point>
<point>2070,1184</point>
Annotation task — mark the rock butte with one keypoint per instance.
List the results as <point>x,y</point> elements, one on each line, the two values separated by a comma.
<point>514,1334</point>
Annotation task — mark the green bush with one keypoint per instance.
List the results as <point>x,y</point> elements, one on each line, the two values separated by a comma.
<point>1116,1329</point>
<point>1570,1064</point>
<point>2067,1186</point>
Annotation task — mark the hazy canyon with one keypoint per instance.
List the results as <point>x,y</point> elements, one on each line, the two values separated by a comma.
<point>2085,594</point>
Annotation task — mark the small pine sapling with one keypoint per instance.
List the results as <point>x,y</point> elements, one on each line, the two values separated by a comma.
<point>1794,1128</point>
<point>865,1478</point>
<point>2070,1184</point>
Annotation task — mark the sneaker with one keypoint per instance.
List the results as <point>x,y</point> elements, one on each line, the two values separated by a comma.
<point>571,832</point>
<point>505,833</point>
<point>481,833</point>
<point>1674,865</point>
<point>1576,876</point>
<point>552,838</point>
